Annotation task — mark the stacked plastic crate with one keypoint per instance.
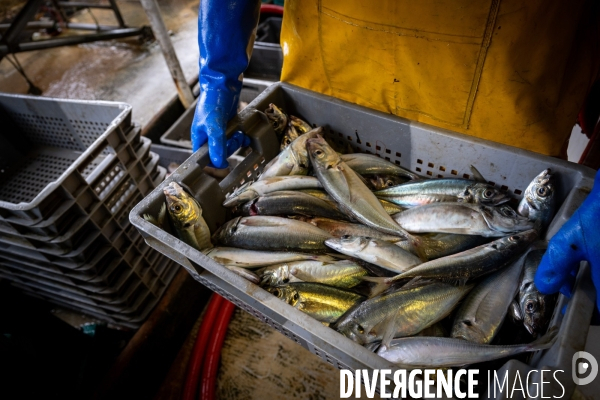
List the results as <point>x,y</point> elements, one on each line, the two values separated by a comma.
<point>70,173</point>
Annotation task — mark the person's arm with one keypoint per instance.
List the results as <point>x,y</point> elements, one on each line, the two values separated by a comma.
<point>226,31</point>
<point>577,240</point>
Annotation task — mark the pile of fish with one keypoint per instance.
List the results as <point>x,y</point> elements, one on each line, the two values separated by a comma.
<point>422,271</point>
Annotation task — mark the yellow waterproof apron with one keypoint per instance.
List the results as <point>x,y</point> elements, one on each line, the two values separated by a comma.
<point>511,71</point>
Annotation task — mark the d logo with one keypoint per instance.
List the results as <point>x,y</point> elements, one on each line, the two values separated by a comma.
<point>590,364</point>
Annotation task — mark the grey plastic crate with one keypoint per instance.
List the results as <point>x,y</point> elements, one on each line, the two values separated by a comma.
<point>133,320</point>
<point>101,221</point>
<point>100,208</point>
<point>429,150</point>
<point>52,148</point>
<point>178,135</point>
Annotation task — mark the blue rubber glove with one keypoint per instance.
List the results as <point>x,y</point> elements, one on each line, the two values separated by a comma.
<point>577,240</point>
<point>226,30</point>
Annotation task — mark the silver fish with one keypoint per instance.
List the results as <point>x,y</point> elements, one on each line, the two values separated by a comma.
<point>186,215</point>
<point>254,259</point>
<point>278,119</point>
<point>443,190</point>
<point>463,218</point>
<point>343,273</point>
<point>403,312</point>
<point>538,201</point>
<point>375,251</point>
<point>472,263</point>
<point>438,245</point>
<point>292,202</point>
<point>322,302</point>
<point>290,134</point>
<point>436,352</point>
<point>292,160</point>
<point>346,188</point>
<point>252,190</point>
<point>271,233</point>
<point>300,125</point>
<point>480,316</point>
<point>532,307</point>
<point>368,164</point>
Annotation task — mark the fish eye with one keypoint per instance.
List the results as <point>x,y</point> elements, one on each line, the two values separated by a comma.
<point>488,194</point>
<point>360,329</point>
<point>389,183</point>
<point>177,208</point>
<point>276,292</point>
<point>514,238</point>
<point>542,191</point>
<point>530,306</point>
<point>318,152</point>
<point>286,280</point>
<point>296,296</point>
<point>346,237</point>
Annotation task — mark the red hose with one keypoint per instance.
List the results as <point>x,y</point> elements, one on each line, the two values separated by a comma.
<point>190,388</point>
<point>271,9</point>
<point>213,354</point>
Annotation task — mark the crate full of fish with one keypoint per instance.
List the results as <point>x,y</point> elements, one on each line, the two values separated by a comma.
<point>371,240</point>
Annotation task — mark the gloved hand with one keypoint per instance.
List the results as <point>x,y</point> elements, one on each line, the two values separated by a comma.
<point>577,240</point>
<point>226,30</point>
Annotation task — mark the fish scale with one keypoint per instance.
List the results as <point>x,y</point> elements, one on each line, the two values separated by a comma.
<point>411,310</point>
<point>422,192</point>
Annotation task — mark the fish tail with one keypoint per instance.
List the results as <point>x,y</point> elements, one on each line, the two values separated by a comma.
<point>150,219</point>
<point>381,284</point>
<point>545,341</point>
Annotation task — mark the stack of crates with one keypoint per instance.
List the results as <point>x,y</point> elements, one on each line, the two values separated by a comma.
<point>70,173</point>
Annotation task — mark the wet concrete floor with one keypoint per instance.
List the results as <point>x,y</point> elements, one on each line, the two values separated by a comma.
<point>119,70</point>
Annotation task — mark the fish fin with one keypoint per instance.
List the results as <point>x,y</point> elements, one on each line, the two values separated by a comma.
<point>516,311</point>
<point>162,215</point>
<point>380,285</point>
<point>545,341</point>
<point>461,282</point>
<point>388,329</point>
<point>375,279</point>
<point>325,257</point>
<point>416,282</point>
<point>476,174</point>
<point>151,219</point>
<point>335,257</point>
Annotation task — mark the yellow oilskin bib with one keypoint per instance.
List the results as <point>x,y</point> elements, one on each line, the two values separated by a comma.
<point>511,71</point>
